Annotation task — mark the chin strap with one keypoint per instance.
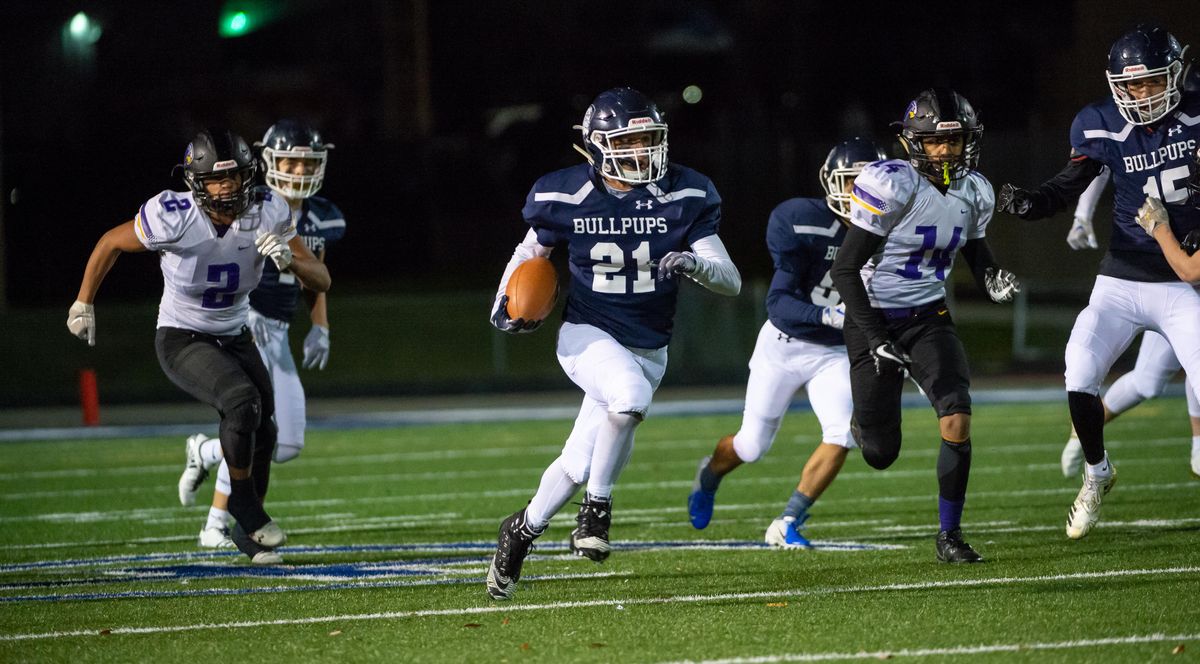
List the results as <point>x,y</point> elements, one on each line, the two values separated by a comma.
<point>585,154</point>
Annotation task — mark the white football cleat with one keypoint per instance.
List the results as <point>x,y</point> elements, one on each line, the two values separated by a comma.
<point>270,536</point>
<point>215,538</point>
<point>194,471</point>
<point>1085,511</point>
<point>1072,456</point>
<point>1196,460</point>
<point>266,557</point>
<point>784,533</point>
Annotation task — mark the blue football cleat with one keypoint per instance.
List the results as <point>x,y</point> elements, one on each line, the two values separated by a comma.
<point>785,534</point>
<point>700,502</point>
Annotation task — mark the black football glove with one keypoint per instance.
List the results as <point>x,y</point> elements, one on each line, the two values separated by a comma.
<point>888,358</point>
<point>1191,242</point>
<point>1015,200</point>
<point>502,322</point>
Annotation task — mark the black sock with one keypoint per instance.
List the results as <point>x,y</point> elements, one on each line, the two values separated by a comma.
<point>953,469</point>
<point>244,505</point>
<point>1087,414</point>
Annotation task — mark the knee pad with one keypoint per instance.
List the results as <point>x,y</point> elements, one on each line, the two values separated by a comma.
<point>880,447</point>
<point>245,413</point>
<point>575,466</point>
<point>285,453</point>
<point>1149,387</point>
<point>755,437</point>
<point>634,398</point>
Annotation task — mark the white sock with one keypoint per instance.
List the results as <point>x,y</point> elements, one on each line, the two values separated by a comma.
<point>614,442</point>
<point>217,518</point>
<point>1098,471</point>
<point>554,491</point>
<point>210,452</point>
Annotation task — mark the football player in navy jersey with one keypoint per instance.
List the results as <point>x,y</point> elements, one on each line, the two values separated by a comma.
<point>800,345</point>
<point>213,242</point>
<point>294,158</point>
<point>1156,362</point>
<point>1145,132</point>
<point>632,225</point>
<point>909,220</point>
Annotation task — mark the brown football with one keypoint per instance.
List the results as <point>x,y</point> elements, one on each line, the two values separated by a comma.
<point>532,289</point>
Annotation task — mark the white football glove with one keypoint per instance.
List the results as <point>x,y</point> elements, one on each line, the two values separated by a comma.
<point>1151,215</point>
<point>676,262</point>
<point>1082,235</point>
<point>888,358</point>
<point>316,348</point>
<point>273,247</point>
<point>1001,284</point>
<point>81,321</point>
<point>834,317</point>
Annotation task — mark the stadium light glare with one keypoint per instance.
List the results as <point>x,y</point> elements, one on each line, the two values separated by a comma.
<point>83,29</point>
<point>692,94</point>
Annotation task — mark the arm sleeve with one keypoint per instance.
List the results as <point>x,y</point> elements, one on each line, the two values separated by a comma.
<point>858,248</point>
<point>528,248</point>
<point>1054,194</point>
<point>1086,207</point>
<point>979,259</point>
<point>714,268</point>
<point>784,305</point>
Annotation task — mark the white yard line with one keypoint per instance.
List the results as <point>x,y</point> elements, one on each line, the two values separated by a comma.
<point>979,649</point>
<point>629,601</point>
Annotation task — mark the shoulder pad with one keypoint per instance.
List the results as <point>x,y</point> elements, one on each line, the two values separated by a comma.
<point>886,186</point>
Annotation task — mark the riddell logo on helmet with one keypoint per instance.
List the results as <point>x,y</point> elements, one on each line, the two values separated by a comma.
<point>637,122</point>
<point>949,125</point>
<point>1134,69</point>
<point>220,165</point>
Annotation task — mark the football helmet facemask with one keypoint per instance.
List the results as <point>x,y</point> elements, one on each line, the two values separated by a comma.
<point>940,113</point>
<point>216,154</point>
<point>845,161</point>
<point>292,139</point>
<point>1147,51</point>
<point>614,118</point>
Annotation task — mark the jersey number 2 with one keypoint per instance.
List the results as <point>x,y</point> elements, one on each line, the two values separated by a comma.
<point>227,277</point>
<point>610,259</point>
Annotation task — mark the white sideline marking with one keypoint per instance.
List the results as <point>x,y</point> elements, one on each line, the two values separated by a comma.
<point>980,649</point>
<point>633,601</point>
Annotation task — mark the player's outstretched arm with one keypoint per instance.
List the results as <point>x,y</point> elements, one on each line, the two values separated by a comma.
<point>307,267</point>
<point>1053,194</point>
<point>316,342</point>
<point>81,320</point>
<point>1152,217</point>
<point>1083,234</point>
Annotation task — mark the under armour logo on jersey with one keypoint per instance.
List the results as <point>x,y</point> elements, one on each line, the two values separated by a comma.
<point>649,204</point>
<point>1177,129</point>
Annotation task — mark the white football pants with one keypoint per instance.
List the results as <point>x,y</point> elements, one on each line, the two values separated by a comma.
<point>1156,366</point>
<point>271,337</point>
<point>779,367</point>
<point>1117,312</point>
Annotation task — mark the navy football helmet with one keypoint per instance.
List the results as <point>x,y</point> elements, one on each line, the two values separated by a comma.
<point>292,139</point>
<point>613,118</point>
<point>1147,51</point>
<point>941,112</point>
<point>845,161</point>
<point>216,154</point>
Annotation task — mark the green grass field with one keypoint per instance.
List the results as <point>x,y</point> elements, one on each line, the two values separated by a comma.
<point>391,530</point>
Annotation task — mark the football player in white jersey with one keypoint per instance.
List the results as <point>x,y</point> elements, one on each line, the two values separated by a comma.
<point>909,221</point>
<point>800,345</point>
<point>1156,362</point>
<point>294,157</point>
<point>213,241</point>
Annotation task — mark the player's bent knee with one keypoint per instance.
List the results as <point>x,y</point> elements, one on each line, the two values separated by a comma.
<point>879,448</point>
<point>575,466</point>
<point>956,427</point>
<point>755,438</point>
<point>285,453</point>
<point>245,415</point>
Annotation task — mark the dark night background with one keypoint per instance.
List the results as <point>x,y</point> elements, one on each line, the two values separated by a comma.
<point>444,113</point>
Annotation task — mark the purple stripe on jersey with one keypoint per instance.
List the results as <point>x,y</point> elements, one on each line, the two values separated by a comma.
<point>867,198</point>
<point>145,226</point>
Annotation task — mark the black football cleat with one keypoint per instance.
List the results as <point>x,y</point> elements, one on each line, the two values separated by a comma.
<point>514,543</point>
<point>590,537</point>
<point>952,549</point>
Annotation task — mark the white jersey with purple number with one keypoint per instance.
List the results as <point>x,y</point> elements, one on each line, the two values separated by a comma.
<point>923,229</point>
<point>207,277</point>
